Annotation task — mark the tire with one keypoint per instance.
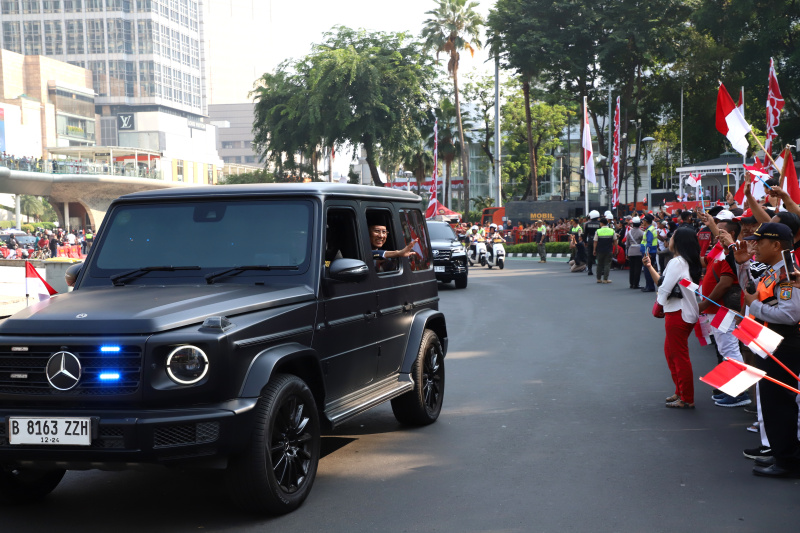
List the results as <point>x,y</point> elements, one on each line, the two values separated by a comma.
<point>489,265</point>
<point>422,405</point>
<point>483,260</point>
<point>27,486</point>
<point>501,263</point>
<point>461,282</point>
<point>286,422</point>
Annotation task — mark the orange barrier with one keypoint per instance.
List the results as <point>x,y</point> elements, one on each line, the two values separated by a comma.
<point>73,251</point>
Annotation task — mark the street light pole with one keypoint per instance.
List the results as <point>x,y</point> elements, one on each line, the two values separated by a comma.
<point>647,141</point>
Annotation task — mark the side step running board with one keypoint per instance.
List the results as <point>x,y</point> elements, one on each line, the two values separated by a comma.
<point>353,405</point>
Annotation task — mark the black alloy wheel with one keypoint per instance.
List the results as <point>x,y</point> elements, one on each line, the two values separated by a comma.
<point>275,472</point>
<point>423,405</point>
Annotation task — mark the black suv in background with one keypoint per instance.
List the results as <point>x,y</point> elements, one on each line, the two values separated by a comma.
<point>449,254</point>
<point>187,339</point>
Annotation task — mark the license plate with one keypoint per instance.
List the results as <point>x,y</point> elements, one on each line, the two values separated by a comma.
<point>438,269</point>
<point>50,431</point>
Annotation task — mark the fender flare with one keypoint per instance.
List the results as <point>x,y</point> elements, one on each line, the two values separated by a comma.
<point>427,319</point>
<point>290,358</point>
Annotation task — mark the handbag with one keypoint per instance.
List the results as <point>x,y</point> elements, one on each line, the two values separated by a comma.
<point>658,310</point>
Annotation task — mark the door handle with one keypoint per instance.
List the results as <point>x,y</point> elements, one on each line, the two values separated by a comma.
<point>407,307</point>
<point>370,315</point>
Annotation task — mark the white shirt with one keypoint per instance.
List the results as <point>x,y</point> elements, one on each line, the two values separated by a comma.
<point>678,269</point>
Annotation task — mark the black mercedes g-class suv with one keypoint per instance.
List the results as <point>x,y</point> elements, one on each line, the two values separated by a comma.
<point>449,255</point>
<point>224,326</point>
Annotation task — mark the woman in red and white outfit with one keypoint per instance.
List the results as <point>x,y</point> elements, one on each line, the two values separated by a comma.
<point>680,313</point>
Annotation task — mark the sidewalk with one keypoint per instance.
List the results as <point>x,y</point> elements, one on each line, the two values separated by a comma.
<point>12,288</point>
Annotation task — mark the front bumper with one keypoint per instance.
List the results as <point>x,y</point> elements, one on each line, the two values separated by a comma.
<point>453,267</point>
<point>126,438</point>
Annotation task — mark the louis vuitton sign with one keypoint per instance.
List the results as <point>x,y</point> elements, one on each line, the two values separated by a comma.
<point>125,122</point>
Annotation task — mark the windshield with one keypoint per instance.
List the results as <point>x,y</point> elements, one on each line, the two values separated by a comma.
<point>208,236</point>
<point>441,232</point>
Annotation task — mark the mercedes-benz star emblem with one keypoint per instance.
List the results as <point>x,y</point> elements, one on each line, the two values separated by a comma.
<point>82,315</point>
<point>63,370</point>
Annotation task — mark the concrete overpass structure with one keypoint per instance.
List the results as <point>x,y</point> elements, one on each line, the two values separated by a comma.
<point>86,195</point>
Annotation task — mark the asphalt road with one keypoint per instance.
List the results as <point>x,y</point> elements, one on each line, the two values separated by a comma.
<point>553,421</point>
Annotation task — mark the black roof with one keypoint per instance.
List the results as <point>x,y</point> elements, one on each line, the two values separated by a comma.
<point>277,189</point>
<point>722,160</point>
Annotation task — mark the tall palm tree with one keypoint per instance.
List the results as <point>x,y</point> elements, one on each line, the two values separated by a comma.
<point>449,143</point>
<point>454,25</point>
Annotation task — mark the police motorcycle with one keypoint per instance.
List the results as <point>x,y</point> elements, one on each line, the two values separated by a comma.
<point>497,257</point>
<point>477,247</point>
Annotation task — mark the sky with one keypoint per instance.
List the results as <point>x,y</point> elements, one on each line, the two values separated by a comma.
<point>250,37</point>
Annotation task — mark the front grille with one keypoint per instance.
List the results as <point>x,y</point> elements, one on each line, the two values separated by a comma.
<point>28,369</point>
<point>185,434</point>
<point>444,255</point>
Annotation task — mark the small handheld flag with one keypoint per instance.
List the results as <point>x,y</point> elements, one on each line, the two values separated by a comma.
<point>732,377</point>
<point>688,284</point>
<point>35,285</point>
<point>723,319</point>
<point>760,339</point>
<point>703,332</point>
<point>731,122</point>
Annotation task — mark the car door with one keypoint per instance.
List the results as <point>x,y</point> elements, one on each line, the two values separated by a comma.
<point>344,337</point>
<point>393,294</point>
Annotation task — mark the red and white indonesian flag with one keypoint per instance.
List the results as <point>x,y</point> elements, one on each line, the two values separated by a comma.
<point>615,163</point>
<point>35,285</point>
<point>702,330</point>
<point>790,184</point>
<point>717,253</point>
<point>688,284</point>
<point>759,338</point>
<point>731,122</point>
<point>588,163</point>
<point>775,104</point>
<point>733,377</point>
<point>693,181</point>
<point>723,319</point>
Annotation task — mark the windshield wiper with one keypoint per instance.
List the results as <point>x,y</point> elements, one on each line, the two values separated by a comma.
<point>117,279</point>
<point>239,269</point>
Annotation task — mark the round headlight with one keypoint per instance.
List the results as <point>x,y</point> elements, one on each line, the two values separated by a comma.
<point>187,365</point>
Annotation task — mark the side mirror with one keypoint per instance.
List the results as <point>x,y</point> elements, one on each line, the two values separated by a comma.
<point>71,274</point>
<point>348,270</point>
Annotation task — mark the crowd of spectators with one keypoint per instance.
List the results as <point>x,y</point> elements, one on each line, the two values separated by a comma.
<point>44,243</point>
<point>730,256</point>
<point>76,166</point>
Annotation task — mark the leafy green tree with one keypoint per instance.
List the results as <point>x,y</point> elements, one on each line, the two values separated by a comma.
<point>357,87</point>
<point>454,25</point>
<point>449,143</point>
<point>261,176</point>
<point>479,90</point>
<point>545,126</point>
<point>31,206</point>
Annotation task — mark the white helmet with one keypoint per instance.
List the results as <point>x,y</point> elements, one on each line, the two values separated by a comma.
<point>474,228</point>
<point>594,214</point>
<point>493,226</point>
<point>636,220</point>
<point>608,214</point>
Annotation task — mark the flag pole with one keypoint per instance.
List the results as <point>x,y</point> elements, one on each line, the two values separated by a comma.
<point>26,284</point>
<point>758,141</point>
<point>754,341</point>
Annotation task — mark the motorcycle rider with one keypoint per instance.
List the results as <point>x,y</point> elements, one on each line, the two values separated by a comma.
<point>475,235</point>
<point>492,235</point>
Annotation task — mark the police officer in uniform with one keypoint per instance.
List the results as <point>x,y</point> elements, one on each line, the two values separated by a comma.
<point>776,304</point>
<point>591,228</point>
<point>604,239</point>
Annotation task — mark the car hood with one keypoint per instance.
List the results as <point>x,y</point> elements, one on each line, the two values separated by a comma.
<point>133,309</point>
<point>444,244</point>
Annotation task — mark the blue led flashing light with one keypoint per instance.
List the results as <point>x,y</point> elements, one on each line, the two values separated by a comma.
<point>109,376</point>
<point>110,348</point>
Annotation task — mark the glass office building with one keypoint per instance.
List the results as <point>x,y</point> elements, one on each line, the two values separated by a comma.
<point>141,52</point>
